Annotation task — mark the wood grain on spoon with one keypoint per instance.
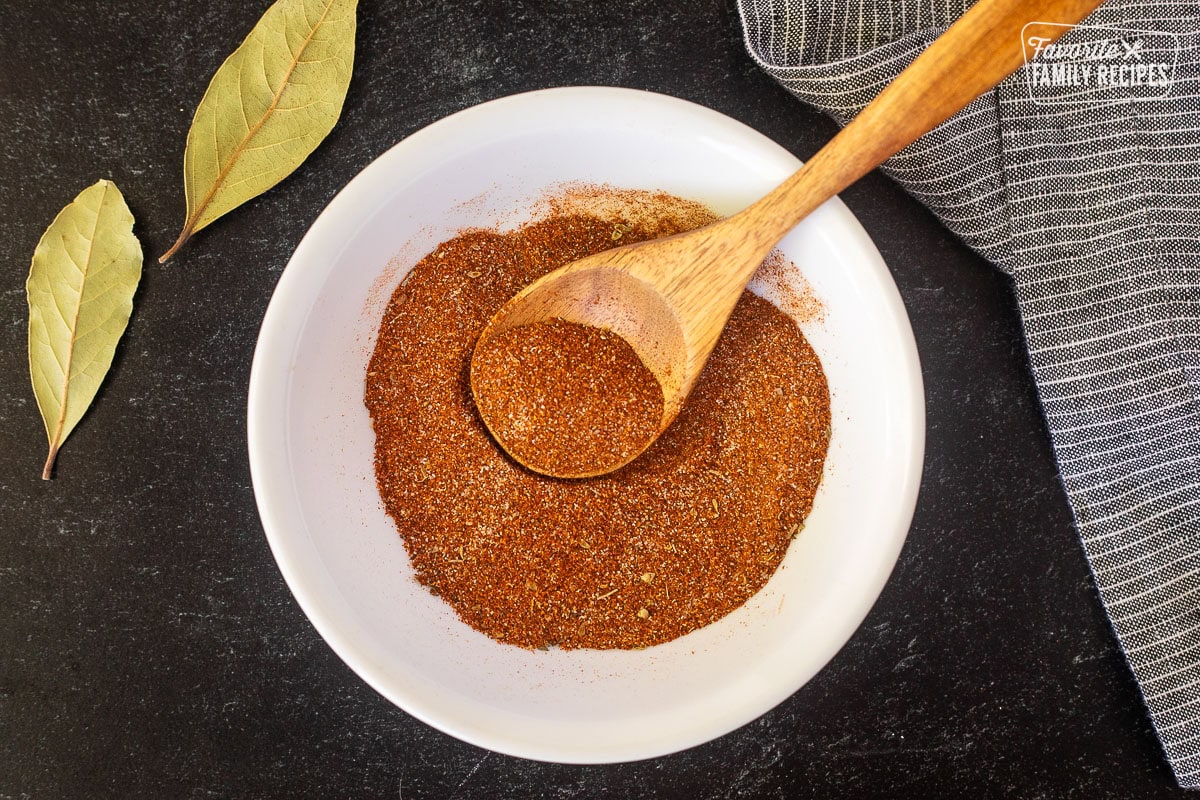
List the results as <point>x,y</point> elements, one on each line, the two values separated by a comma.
<point>670,298</point>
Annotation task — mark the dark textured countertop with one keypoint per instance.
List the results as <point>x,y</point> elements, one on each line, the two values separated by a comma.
<point>149,645</point>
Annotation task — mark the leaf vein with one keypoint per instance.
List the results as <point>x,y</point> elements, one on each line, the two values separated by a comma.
<point>70,256</point>
<point>273,144</point>
<point>74,322</point>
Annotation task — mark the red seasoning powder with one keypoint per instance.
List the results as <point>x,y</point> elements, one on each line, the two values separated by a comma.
<point>564,398</point>
<point>675,540</point>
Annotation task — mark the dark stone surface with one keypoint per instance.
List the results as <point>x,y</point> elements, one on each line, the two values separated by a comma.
<point>149,645</point>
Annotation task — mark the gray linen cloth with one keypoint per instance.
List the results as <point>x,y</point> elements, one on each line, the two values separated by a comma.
<point>1088,195</point>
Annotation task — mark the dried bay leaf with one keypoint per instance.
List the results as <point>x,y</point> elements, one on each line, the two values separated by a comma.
<point>267,107</point>
<point>85,270</point>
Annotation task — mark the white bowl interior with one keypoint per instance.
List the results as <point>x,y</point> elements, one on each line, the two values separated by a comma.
<point>311,443</point>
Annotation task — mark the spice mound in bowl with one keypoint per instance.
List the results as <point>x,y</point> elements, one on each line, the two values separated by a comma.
<point>675,540</point>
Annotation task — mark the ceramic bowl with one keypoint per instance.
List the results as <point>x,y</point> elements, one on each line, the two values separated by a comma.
<point>311,443</point>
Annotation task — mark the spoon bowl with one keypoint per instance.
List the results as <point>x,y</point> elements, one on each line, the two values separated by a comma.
<point>621,290</point>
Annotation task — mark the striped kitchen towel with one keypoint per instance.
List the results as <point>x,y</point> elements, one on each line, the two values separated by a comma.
<point>1080,177</point>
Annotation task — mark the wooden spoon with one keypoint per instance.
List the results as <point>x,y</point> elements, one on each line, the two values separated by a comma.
<point>670,298</point>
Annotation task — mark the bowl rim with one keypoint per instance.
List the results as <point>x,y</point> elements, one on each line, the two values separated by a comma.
<point>267,436</point>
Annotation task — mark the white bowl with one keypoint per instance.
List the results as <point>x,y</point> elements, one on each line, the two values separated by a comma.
<point>311,443</point>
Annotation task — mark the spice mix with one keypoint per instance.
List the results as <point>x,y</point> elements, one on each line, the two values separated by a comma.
<point>675,540</point>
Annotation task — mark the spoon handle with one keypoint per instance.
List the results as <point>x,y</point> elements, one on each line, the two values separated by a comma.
<point>977,52</point>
